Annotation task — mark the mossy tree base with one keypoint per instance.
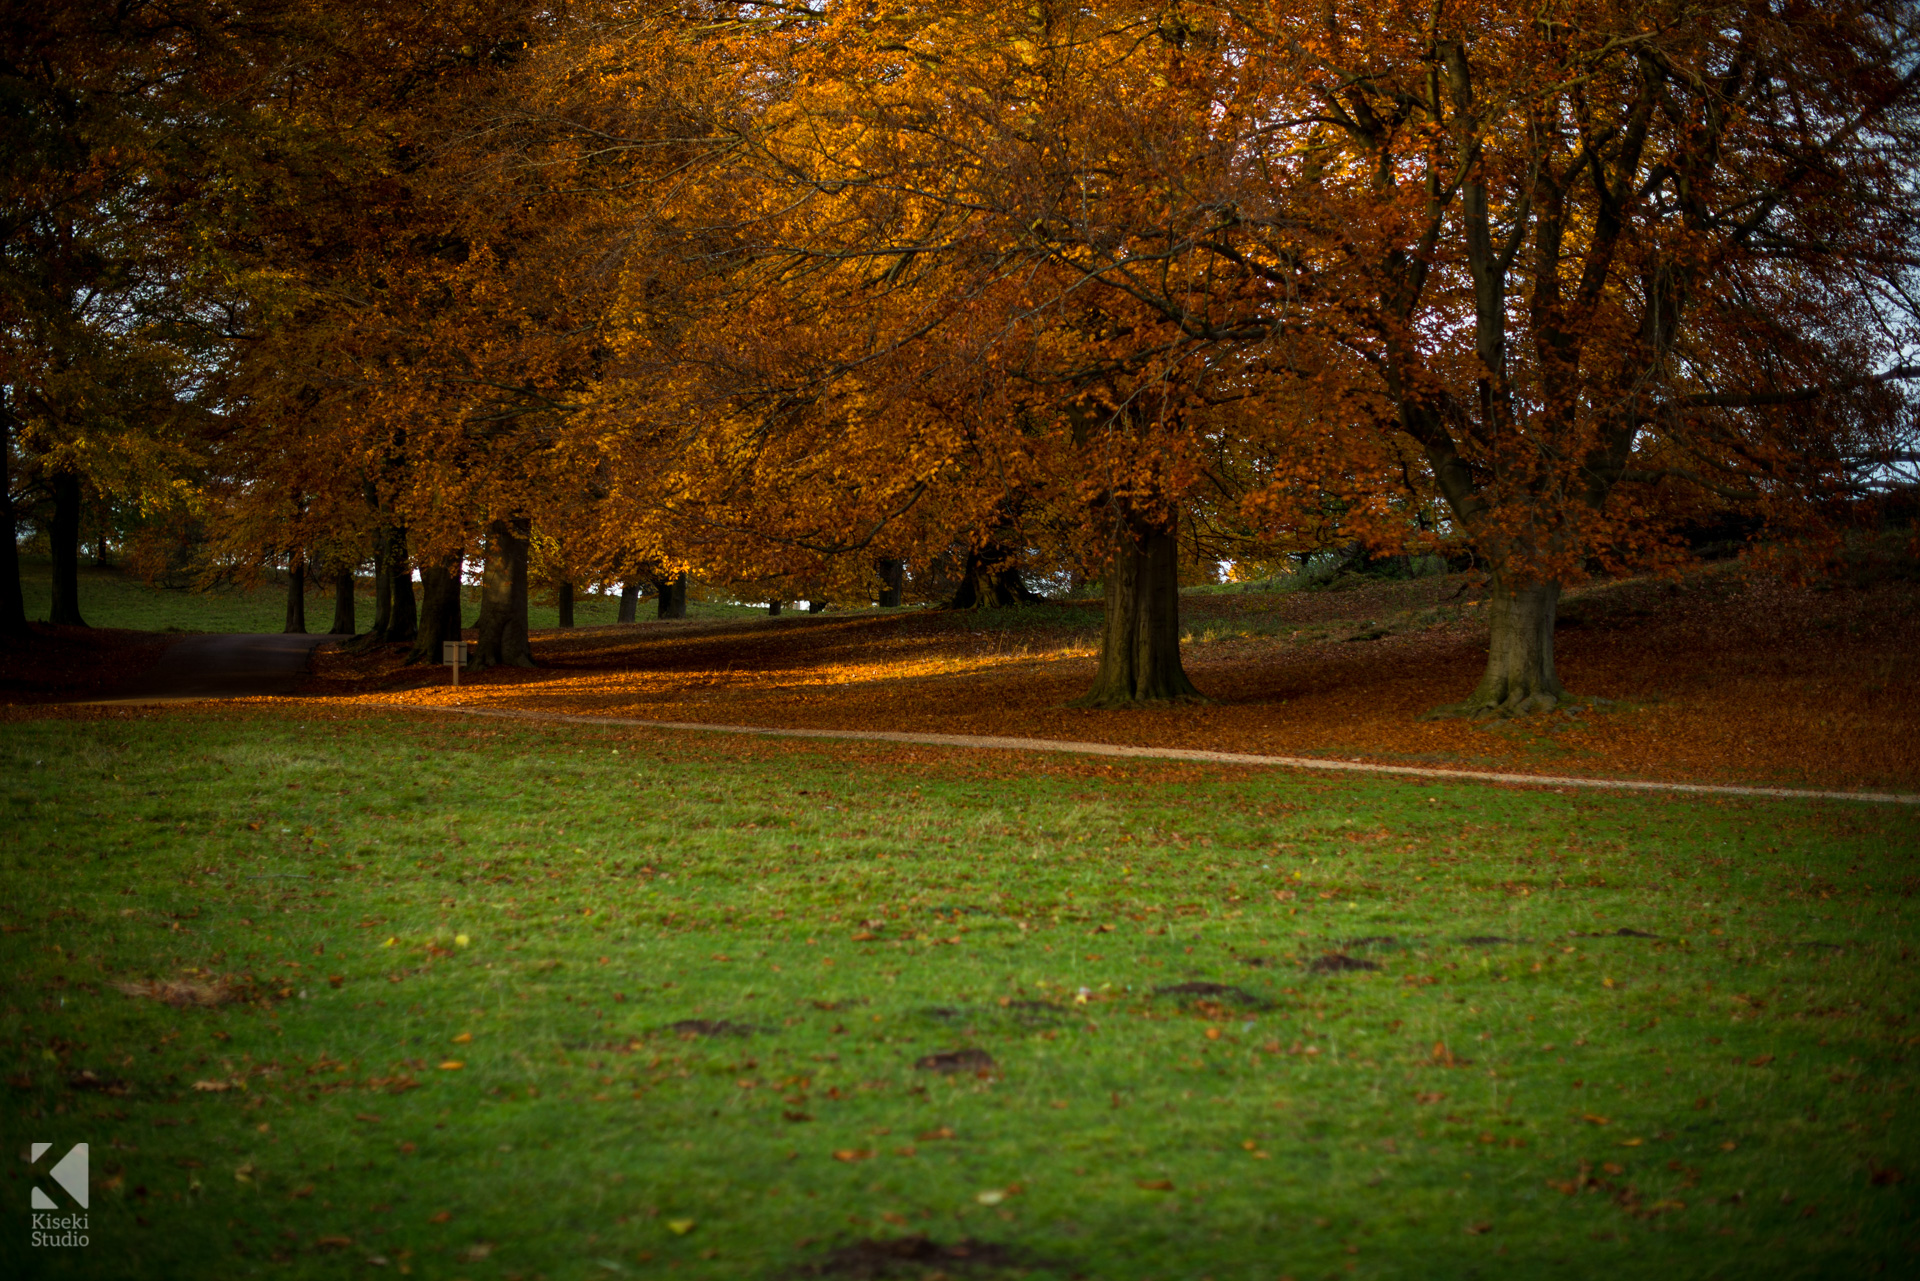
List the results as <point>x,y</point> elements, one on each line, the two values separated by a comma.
<point>1520,679</point>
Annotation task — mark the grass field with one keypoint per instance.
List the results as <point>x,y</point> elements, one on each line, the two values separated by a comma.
<point>516,1001</point>
<point>111,598</point>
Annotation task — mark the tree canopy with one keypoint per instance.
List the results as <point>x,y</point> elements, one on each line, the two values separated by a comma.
<point>782,295</point>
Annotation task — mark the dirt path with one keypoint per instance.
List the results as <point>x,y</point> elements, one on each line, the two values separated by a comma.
<point>1185,754</point>
<point>224,665</point>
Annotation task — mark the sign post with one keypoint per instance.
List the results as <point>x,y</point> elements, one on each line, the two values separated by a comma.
<point>454,655</point>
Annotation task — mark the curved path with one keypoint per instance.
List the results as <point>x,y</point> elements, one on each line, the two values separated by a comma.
<point>224,665</point>
<point>1195,754</point>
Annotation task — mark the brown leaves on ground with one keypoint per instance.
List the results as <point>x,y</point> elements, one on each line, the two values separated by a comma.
<point>1730,675</point>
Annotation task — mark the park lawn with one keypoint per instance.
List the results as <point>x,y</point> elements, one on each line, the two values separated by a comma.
<point>110,597</point>
<point>517,1000</point>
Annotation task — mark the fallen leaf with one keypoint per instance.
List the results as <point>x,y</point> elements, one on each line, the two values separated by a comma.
<point>465,1038</point>
<point>1593,1119</point>
<point>934,1135</point>
<point>1479,1229</point>
<point>680,1227</point>
<point>1155,1185</point>
<point>1760,1061</point>
<point>212,1087</point>
<point>368,1117</point>
<point>452,1065</point>
<point>332,1242</point>
<point>992,1196</point>
<point>443,1216</point>
<point>853,1154</point>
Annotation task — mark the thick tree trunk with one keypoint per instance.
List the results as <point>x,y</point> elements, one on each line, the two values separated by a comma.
<point>502,639</point>
<point>13,607</point>
<point>296,595</point>
<point>100,558</point>
<point>893,581</point>
<point>405,621</point>
<point>1140,647</point>
<point>816,606</point>
<point>673,596</point>
<point>65,532</point>
<point>382,589</point>
<point>992,581</point>
<point>774,607</point>
<point>439,612</point>
<point>1520,678</point>
<point>630,600</point>
<point>342,624</point>
<point>566,604</point>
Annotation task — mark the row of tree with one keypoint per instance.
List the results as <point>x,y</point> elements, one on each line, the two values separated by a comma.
<point>780,293</point>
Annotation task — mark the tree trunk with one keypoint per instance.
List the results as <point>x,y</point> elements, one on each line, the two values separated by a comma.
<point>65,532</point>
<point>991,580</point>
<point>774,607</point>
<point>630,600</point>
<point>893,578</point>
<point>1140,647</point>
<point>342,624</point>
<point>816,606</point>
<point>1520,678</point>
<point>13,607</point>
<point>673,596</point>
<point>296,595</point>
<point>566,604</point>
<point>100,551</point>
<point>382,589</point>
<point>405,620</point>
<point>502,640</point>
<point>439,612</point>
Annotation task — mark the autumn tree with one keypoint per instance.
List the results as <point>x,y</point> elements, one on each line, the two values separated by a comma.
<point>1588,262</point>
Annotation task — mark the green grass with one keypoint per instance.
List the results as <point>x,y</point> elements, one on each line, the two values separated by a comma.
<point>1751,1063</point>
<point>110,598</point>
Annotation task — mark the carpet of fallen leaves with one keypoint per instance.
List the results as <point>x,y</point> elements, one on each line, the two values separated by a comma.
<point>1728,675</point>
